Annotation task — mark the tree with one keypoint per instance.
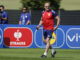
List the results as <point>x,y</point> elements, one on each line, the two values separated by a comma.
<point>39,4</point>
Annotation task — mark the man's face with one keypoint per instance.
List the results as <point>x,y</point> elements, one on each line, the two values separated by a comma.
<point>24,10</point>
<point>47,6</point>
<point>1,9</point>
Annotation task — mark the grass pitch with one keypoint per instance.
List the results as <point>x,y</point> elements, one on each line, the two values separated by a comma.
<point>35,53</point>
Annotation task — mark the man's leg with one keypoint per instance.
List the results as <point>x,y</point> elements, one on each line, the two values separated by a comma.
<point>53,51</point>
<point>47,46</point>
<point>47,37</point>
<point>47,41</point>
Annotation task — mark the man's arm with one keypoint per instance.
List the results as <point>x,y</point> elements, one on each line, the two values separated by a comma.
<point>58,22</point>
<point>29,19</point>
<point>19,22</point>
<point>4,19</point>
<point>5,16</point>
<point>40,23</point>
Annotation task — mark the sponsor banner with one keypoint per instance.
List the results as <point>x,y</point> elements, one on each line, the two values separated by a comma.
<point>21,36</point>
<point>1,36</point>
<point>57,40</point>
<point>73,38</point>
<point>18,37</point>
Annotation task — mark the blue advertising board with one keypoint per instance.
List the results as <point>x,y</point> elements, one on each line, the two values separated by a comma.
<point>27,36</point>
<point>1,36</point>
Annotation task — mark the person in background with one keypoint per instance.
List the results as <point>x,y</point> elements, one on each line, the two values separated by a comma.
<point>25,17</point>
<point>3,15</point>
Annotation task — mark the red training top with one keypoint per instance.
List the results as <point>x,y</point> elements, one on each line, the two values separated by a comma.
<point>48,19</point>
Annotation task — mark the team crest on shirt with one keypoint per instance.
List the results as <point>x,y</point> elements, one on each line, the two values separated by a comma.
<point>49,14</point>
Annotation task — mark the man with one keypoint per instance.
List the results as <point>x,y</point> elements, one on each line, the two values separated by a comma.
<point>3,15</point>
<point>25,17</point>
<point>48,27</point>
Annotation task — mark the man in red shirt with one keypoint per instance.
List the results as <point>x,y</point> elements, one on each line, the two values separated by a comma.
<point>47,20</point>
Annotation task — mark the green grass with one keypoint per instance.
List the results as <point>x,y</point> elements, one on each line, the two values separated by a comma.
<point>34,54</point>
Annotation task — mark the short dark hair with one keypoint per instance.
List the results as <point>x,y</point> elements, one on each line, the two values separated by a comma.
<point>2,6</point>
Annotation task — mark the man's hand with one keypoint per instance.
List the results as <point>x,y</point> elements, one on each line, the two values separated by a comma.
<point>38,27</point>
<point>55,28</point>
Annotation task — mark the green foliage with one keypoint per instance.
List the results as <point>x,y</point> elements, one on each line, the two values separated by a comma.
<point>39,4</point>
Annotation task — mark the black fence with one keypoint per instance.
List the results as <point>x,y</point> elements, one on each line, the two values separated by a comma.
<point>67,17</point>
<point>13,16</point>
<point>70,17</point>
